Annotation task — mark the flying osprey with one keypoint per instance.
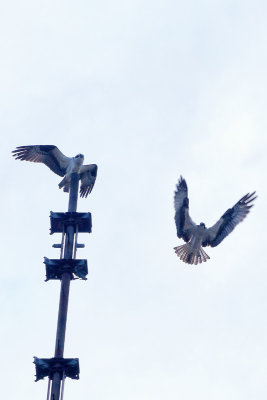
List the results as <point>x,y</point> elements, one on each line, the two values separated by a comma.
<point>198,235</point>
<point>61,165</point>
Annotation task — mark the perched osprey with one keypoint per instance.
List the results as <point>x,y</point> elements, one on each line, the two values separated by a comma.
<point>61,165</point>
<point>198,235</point>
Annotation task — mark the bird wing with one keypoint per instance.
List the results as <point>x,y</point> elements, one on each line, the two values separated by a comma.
<point>88,176</point>
<point>228,221</point>
<point>184,223</point>
<point>48,154</point>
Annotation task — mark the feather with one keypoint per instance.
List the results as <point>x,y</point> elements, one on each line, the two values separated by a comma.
<point>185,253</point>
<point>184,223</point>
<point>232,217</point>
<point>88,175</point>
<point>49,155</point>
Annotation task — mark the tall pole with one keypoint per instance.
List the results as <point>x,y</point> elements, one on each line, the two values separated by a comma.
<point>67,267</point>
<point>65,286</point>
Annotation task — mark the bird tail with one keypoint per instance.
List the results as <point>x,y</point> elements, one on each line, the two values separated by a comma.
<point>62,183</point>
<point>66,187</point>
<point>191,257</point>
<point>65,184</point>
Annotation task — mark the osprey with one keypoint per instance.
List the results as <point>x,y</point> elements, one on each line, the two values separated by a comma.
<point>198,236</point>
<point>60,165</point>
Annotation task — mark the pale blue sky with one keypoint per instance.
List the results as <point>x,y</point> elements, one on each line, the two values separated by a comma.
<point>148,91</point>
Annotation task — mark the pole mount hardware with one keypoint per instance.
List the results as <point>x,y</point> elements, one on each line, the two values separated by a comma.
<point>55,268</point>
<point>48,366</point>
<point>60,221</point>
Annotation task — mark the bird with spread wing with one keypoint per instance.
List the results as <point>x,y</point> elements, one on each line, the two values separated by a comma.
<point>61,165</point>
<point>198,236</point>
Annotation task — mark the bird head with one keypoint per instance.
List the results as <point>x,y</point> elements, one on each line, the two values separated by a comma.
<point>202,224</point>
<point>79,158</point>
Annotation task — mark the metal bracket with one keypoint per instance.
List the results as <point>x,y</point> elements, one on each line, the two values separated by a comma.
<point>59,221</point>
<point>55,268</point>
<point>48,366</point>
<point>59,246</point>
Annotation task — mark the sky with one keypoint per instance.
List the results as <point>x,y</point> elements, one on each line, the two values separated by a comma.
<point>148,91</point>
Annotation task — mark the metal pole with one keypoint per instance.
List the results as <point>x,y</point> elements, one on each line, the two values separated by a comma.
<point>73,198</point>
<point>62,243</point>
<point>75,244</point>
<point>48,389</point>
<point>65,286</point>
<point>62,386</point>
